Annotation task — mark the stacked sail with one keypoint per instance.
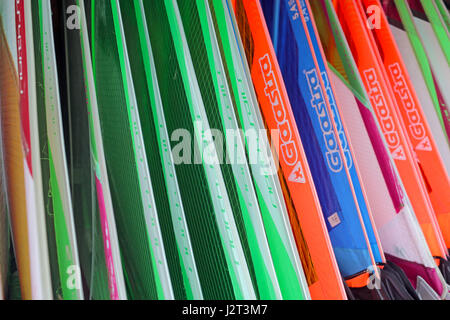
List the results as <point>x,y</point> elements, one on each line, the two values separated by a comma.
<point>390,205</point>
<point>278,115</point>
<point>224,149</point>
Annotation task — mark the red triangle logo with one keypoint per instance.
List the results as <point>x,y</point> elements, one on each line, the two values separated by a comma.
<point>399,153</point>
<point>424,145</point>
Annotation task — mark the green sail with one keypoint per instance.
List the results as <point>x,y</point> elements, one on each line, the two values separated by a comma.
<point>64,261</point>
<point>211,76</point>
<point>216,244</point>
<point>116,282</point>
<point>144,262</point>
<point>80,163</point>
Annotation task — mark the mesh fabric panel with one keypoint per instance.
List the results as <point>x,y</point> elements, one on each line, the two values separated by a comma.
<point>82,180</point>
<point>120,159</point>
<point>194,35</point>
<point>151,146</point>
<point>200,216</point>
<point>44,155</point>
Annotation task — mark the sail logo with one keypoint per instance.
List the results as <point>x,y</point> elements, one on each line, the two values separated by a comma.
<point>289,149</point>
<point>416,126</point>
<point>334,160</point>
<point>337,120</point>
<point>387,122</point>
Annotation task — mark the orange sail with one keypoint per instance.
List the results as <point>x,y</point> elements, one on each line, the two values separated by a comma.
<point>430,163</point>
<point>374,77</point>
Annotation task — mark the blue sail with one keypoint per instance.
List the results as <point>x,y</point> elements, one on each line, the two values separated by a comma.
<point>319,139</point>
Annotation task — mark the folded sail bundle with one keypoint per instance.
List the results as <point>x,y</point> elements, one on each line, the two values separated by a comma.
<point>381,96</point>
<point>314,104</point>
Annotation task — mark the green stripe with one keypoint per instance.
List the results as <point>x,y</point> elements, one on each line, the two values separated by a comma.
<point>97,151</point>
<point>438,27</point>
<point>444,13</point>
<point>65,253</point>
<point>286,273</point>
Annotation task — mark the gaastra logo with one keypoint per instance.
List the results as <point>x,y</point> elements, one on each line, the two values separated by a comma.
<point>415,122</point>
<point>334,159</point>
<point>387,123</point>
<point>289,150</point>
<point>337,120</point>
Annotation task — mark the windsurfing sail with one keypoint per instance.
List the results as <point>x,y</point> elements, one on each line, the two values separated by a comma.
<point>142,247</point>
<point>222,264</point>
<point>288,267</point>
<point>115,279</point>
<point>375,80</point>
<point>430,163</point>
<point>440,77</point>
<point>198,23</point>
<point>13,153</point>
<point>38,221</point>
<point>191,278</point>
<point>385,109</point>
<point>400,234</point>
<point>93,268</point>
<point>175,232</point>
<point>328,151</point>
<point>416,61</point>
<point>265,168</point>
<point>53,167</point>
<point>256,50</point>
